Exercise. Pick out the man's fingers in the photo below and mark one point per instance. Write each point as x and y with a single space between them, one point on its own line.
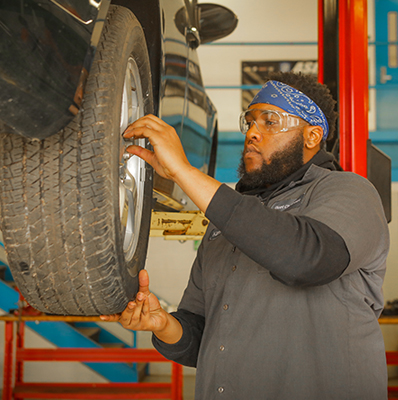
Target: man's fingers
150 120
156 119
145 154
149 157
111 318
145 307
136 315
125 318
137 132
143 279
144 126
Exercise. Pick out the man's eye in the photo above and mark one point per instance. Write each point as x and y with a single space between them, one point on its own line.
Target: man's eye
271 123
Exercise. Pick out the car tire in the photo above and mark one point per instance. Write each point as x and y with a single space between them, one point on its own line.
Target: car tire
75 209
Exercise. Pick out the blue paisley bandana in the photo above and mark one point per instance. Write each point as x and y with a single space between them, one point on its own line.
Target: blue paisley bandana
292 101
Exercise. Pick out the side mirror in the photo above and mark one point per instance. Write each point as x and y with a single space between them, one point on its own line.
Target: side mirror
210 22
215 22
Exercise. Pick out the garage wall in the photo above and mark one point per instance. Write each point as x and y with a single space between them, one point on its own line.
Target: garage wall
259 21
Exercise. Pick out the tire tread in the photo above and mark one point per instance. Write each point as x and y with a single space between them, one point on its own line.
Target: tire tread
57 204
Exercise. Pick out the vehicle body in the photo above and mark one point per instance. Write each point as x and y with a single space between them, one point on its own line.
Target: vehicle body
44 66
47 50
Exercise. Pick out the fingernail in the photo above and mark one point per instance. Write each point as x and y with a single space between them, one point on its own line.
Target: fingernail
140 296
131 305
104 317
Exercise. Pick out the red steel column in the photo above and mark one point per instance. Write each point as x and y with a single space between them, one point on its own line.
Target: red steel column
320 41
344 85
176 381
353 85
8 360
20 345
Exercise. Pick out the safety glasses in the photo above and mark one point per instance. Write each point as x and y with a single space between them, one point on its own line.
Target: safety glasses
268 121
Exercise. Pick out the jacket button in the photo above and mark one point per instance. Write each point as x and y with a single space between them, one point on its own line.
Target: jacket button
233 249
220 389
234 268
222 348
225 306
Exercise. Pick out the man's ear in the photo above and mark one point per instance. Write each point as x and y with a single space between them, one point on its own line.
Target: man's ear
312 136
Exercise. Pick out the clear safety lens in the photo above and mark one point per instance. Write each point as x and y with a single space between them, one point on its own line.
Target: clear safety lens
267 121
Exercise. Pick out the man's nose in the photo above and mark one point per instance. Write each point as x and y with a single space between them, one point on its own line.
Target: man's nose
253 134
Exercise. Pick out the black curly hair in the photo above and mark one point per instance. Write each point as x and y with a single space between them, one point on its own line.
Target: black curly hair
316 91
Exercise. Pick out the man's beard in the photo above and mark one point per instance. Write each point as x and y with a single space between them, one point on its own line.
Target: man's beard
281 164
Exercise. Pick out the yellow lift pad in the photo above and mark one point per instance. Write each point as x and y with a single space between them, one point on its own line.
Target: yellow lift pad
190 225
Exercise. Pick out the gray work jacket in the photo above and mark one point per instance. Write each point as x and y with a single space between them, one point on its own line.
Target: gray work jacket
273 335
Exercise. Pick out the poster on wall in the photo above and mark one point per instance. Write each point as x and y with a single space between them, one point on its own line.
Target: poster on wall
256 73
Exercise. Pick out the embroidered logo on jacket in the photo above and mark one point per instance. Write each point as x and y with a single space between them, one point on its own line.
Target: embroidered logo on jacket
215 233
285 204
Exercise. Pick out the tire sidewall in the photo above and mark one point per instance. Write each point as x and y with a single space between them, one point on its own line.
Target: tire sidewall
134 46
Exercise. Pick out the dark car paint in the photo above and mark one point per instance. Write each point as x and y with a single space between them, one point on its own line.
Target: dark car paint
46 54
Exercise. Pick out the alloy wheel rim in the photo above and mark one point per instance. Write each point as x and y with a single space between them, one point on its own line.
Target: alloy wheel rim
131 169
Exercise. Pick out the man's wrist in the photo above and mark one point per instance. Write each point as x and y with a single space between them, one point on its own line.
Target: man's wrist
172 331
186 171
199 187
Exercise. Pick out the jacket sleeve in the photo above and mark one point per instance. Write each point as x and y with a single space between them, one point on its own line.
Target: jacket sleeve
186 350
337 235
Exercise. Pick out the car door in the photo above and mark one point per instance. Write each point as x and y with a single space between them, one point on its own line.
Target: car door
199 124
174 77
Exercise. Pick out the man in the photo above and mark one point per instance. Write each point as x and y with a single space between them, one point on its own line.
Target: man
285 292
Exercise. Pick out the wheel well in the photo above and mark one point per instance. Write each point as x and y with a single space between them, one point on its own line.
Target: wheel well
149 14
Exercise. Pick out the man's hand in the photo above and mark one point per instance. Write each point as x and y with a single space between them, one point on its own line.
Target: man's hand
169 160
168 157
146 314
143 314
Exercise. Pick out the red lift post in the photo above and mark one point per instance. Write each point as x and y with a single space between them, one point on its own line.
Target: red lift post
343 66
352 77
353 85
